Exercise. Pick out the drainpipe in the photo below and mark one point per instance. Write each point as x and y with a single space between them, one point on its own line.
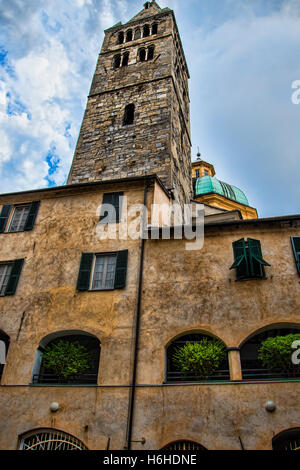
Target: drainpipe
137 325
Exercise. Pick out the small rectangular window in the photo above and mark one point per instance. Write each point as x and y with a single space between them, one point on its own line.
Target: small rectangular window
197 173
19 218
248 260
104 272
9 276
111 209
5 271
296 250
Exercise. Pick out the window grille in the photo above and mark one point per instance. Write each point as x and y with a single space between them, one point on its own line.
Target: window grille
51 440
184 445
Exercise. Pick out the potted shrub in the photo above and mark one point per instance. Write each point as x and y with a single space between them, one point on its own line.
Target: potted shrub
202 358
66 359
275 353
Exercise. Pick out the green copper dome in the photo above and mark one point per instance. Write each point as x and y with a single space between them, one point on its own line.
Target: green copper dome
210 184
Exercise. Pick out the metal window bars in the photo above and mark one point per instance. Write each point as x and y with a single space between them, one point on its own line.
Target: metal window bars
51 440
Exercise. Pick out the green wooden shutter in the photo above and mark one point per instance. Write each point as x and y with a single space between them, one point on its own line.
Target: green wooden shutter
121 269
296 249
240 259
239 252
6 208
255 251
83 282
14 276
34 207
115 199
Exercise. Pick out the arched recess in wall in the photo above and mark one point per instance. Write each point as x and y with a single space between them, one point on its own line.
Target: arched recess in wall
67 344
50 439
4 345
183 445
258 361
190 344
288 439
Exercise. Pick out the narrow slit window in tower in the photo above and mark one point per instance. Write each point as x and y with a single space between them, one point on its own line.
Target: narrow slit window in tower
121 37
117 61
142 55
125 59
146 31
129 35
150 53
128 114
137 33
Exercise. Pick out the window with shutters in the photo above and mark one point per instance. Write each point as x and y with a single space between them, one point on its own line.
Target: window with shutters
4 345
9 276
248 260
296 250
18 218
102 271
111 209
5 270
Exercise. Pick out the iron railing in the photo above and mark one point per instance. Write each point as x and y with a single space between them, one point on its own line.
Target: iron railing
255 374
78 379
179 376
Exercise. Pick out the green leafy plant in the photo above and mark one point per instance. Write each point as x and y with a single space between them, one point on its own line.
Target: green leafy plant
65 358
202 358
275 352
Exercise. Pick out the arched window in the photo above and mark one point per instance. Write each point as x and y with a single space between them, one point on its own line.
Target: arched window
255 364
129 35
142 55
185 371
154 28
50 439
183 445
146 31
128 114
117 61
121 37
150 53
125 59
4 345
50 369
137 33
287 440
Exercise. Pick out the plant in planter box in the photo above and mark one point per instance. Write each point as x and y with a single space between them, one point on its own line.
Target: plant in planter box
202 358
275 353
65 359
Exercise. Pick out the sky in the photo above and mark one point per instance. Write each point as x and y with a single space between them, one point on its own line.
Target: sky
243 57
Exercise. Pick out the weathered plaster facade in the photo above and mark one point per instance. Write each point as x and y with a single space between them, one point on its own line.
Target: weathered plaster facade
182 291
173 292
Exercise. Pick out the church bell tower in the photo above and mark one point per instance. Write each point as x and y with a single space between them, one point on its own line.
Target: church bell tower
137 119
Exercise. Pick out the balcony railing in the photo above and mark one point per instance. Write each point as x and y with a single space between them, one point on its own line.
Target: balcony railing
256 374
179 376
78 379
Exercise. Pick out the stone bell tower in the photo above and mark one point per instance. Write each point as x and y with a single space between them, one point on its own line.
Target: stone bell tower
137 119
